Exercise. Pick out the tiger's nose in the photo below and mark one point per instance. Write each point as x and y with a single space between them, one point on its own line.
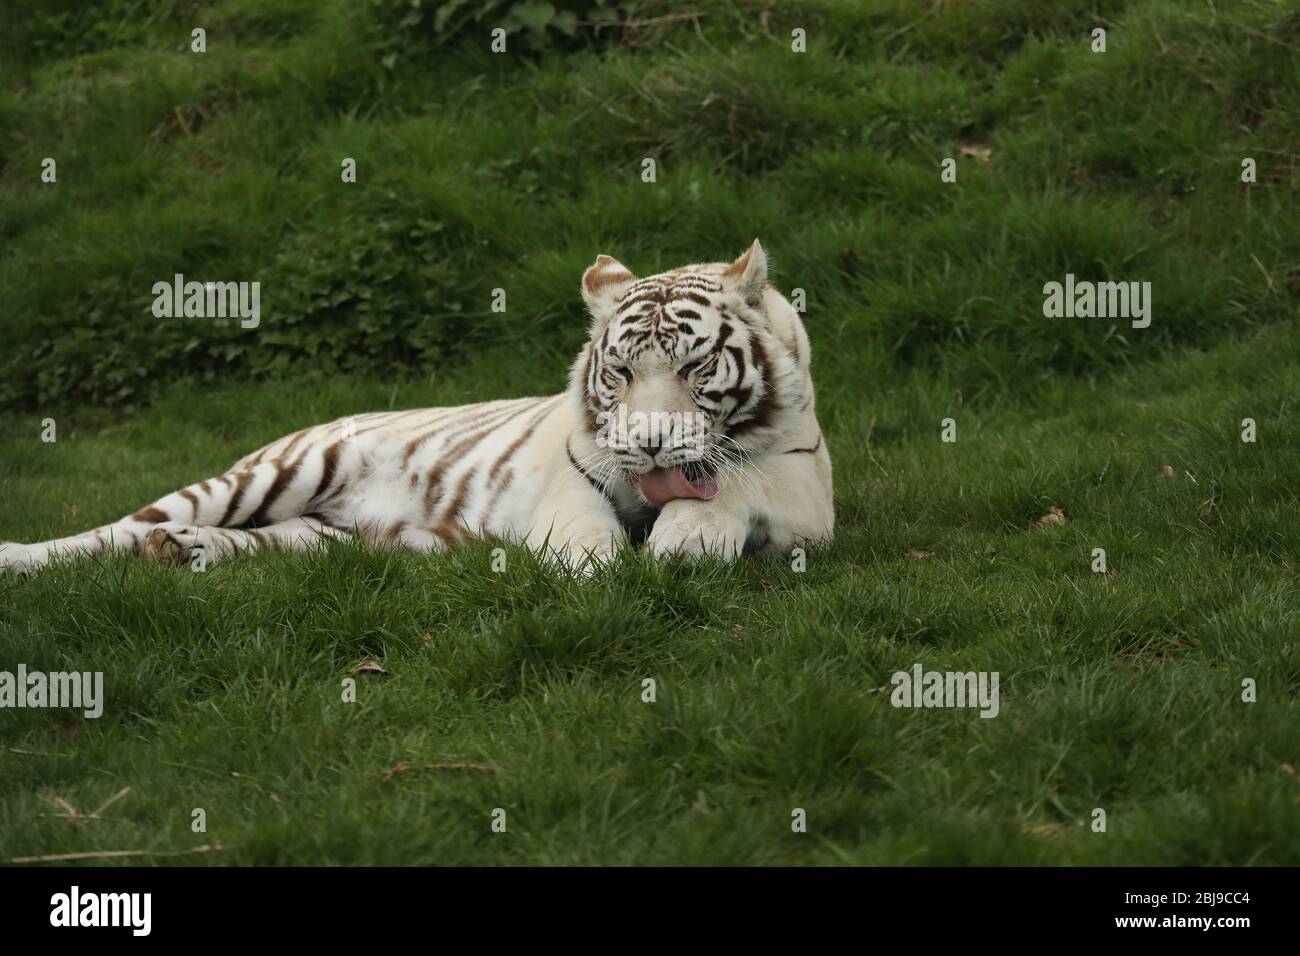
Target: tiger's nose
651 448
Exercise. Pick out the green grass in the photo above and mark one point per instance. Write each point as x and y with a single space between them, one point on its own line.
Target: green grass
1119 691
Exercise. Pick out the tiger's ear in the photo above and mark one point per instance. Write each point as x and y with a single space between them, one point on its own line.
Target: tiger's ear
603 284
748 274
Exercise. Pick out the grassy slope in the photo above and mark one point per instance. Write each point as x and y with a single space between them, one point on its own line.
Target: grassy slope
1119 691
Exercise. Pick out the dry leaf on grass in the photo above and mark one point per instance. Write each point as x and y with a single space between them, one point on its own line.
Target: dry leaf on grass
1047 830
1056 516
370 667
1165 471
979 150
114 854
34 753
405 766
917 554
74 816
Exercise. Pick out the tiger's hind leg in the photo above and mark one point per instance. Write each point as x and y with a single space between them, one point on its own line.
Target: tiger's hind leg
176 543
258 495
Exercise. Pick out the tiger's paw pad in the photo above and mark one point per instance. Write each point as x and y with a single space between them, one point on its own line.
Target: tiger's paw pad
162 547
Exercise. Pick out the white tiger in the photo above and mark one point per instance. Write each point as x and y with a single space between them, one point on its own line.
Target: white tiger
736 463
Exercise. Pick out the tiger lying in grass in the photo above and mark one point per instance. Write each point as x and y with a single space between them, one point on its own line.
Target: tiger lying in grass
712 344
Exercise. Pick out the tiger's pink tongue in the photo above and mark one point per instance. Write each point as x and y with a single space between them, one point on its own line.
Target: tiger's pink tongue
662 485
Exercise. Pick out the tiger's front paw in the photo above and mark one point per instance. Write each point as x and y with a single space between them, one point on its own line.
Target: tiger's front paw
581 554
585 562
584 555
696 532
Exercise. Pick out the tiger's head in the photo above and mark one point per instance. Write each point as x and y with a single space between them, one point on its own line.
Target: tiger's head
688 374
